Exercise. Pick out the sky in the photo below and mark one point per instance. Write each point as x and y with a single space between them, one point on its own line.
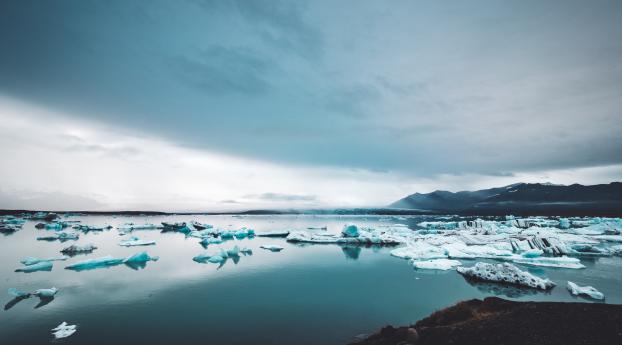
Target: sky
205 105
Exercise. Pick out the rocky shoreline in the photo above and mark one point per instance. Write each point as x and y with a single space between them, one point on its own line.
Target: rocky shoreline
496 321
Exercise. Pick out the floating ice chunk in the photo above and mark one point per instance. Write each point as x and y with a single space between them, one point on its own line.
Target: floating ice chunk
17 293
233 252
227 235
210 240
87 228
436 264
274 233
504 273
62 236
272 247
45 293
174 226
564 223
63 330
28 261
77 249
40 266
588 249
140 258
420 250
200 226
105 261
545 261
350 230
132 226
584 290
616 250
135 241
214 259
56 226
609 238
462 251
303 236
246 251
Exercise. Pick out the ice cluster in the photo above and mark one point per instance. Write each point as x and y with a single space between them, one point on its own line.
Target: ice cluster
505 273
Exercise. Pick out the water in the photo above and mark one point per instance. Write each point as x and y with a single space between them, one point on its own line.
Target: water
312 294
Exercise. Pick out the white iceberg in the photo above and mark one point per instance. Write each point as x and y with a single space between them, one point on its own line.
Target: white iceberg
436 264
272 247
63 330
505 273
62 236
556 261
584 290
135 241
419 250
45 293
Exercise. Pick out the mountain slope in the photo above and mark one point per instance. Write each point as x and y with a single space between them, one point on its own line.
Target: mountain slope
522 198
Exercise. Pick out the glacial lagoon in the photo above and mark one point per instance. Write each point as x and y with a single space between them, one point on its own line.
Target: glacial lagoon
304 294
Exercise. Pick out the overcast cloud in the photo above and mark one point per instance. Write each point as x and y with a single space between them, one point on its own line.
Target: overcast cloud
395 97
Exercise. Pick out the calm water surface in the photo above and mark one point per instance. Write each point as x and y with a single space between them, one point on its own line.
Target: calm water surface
311 294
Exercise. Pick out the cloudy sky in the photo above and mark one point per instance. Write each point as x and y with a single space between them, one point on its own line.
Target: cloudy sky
219 105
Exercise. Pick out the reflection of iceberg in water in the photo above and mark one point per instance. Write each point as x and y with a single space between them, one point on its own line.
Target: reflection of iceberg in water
351 252
511 291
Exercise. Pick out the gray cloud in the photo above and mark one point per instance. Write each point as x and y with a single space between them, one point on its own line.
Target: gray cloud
422 88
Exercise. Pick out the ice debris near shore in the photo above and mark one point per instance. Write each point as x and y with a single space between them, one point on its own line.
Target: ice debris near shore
135 241
505 273
584 290
63 330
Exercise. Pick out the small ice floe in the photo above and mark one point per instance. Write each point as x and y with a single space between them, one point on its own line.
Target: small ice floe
436 264
63 330
135 241
105 261
272 247
178 226
135 261
45 293
87 228
504 273
420 250
61 236
555 261
47 216
211 258
28 261
584 290
75 249
129 227
274 233
57 226
45 297
210 240
40 266
200 226
243 233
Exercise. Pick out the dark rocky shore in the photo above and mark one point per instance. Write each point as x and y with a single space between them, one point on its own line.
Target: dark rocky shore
496 321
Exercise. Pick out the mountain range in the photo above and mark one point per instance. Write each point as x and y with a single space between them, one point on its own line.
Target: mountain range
522 199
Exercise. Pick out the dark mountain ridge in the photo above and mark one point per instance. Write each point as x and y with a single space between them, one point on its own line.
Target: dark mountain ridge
522 198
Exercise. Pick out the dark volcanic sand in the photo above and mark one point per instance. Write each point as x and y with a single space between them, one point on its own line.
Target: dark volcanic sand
496 321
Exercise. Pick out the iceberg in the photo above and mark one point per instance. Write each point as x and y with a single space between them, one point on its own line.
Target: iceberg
564 223
419 250
504 273
210 240
78 249
200 226
45 293
40 266
459 250
274 233
61 236
214 259
436 264
350 230
584 290
557 261
63 330
272 247
105 261
135 241
139 260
